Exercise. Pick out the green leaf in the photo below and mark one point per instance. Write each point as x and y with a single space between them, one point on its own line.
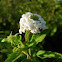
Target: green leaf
35 59
6 51
17 39
26 60
15 55
36 38
13 39
5 45
48 54
12 57
15 49
53 31
40 38
4 40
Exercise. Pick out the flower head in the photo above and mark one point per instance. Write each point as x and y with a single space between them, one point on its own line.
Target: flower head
32 22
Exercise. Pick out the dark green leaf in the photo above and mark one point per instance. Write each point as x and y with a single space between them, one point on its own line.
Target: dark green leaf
15 55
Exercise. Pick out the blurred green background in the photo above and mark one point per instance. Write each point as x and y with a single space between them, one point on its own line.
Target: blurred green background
50 10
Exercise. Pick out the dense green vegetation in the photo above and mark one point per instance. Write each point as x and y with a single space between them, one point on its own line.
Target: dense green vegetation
10 14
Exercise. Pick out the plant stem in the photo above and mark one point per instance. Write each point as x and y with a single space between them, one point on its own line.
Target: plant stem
27 37
28 56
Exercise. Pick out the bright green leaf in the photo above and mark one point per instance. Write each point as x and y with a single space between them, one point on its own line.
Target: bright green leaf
48 54
36 38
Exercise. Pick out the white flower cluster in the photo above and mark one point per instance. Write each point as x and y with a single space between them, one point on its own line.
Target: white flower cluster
32 22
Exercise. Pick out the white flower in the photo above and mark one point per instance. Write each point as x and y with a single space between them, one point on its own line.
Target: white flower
32 22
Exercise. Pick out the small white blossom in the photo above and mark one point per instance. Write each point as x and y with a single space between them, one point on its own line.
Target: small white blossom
32 22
